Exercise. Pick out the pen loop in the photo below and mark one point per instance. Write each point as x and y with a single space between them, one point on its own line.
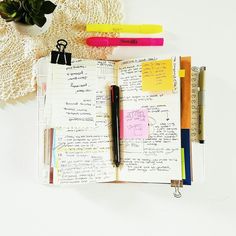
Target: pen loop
177 193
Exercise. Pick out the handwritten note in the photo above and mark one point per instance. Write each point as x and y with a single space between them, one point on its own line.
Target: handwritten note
73 95
157 76
152 151
82 157
158 157
134 124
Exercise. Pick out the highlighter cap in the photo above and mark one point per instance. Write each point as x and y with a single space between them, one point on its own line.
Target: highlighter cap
150 29
97 42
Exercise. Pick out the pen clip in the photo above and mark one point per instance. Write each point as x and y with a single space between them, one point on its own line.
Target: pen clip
112 94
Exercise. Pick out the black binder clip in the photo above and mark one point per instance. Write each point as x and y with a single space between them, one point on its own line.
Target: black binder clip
61 57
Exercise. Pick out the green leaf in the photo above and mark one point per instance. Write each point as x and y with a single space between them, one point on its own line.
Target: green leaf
15 3
9 19
36 4
26 6
29 20
39 20
8 10
48 7
4 15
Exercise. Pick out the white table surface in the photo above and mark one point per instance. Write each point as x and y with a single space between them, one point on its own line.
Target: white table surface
205 29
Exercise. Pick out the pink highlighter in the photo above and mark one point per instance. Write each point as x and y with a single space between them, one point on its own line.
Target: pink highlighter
111 42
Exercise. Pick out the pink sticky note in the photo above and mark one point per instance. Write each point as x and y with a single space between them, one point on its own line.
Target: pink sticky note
134 124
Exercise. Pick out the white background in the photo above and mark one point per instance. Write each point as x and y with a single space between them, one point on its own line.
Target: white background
205 29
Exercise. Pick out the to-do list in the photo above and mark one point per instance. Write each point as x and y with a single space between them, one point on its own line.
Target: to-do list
73 95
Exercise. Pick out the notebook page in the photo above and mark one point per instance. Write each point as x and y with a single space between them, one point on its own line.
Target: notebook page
73 94
157 158
83 155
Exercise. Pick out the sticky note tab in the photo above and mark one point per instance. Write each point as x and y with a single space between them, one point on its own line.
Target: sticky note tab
181 73
134 124
183 163
157 76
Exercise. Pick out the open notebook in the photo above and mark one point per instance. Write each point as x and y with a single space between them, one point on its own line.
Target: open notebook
75 144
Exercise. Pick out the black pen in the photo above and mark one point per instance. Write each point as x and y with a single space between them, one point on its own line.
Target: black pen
115 118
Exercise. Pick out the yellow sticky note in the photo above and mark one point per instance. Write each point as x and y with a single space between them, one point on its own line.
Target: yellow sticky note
183 163
182 73
157 76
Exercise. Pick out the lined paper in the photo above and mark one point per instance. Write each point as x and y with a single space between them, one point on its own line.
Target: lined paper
157 76
83 155
73 94
157 158
82 152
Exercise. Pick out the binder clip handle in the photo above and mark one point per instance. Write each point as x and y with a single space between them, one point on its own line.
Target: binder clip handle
177 184
177 193
61 45
61 57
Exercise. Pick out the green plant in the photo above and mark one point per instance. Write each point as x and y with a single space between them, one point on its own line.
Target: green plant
29 12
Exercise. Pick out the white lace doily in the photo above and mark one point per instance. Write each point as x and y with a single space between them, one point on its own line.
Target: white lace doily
19 52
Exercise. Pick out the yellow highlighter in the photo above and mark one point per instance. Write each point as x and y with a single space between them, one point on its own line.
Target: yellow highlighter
139 29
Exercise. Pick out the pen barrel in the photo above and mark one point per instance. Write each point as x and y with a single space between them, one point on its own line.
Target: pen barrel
201 124
115 116
201 100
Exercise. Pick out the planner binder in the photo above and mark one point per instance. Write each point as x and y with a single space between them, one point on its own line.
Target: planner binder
74 140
